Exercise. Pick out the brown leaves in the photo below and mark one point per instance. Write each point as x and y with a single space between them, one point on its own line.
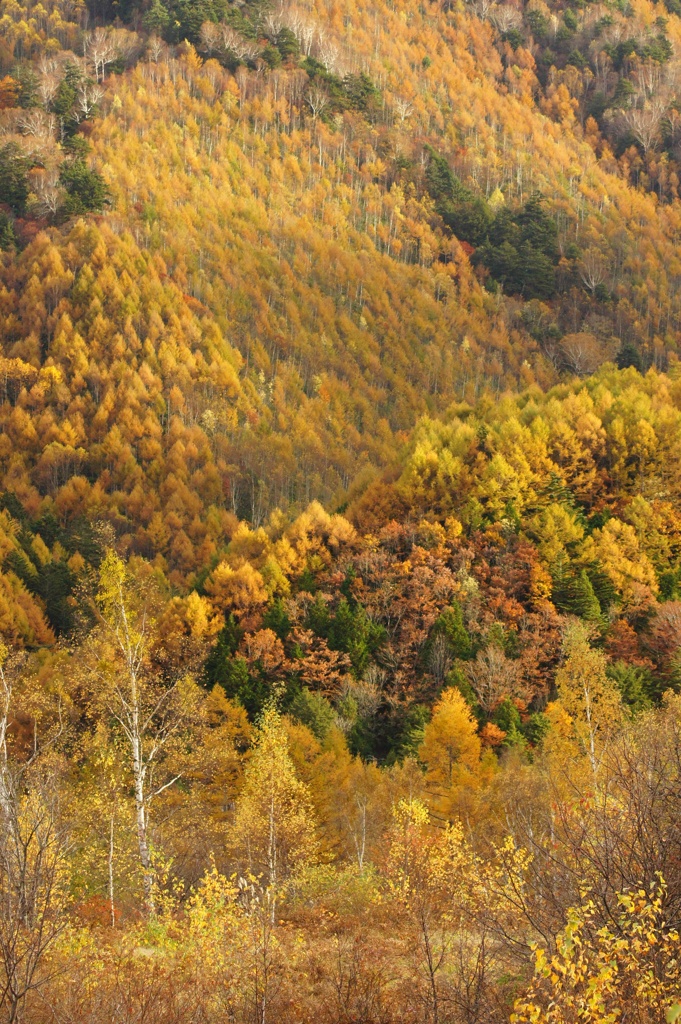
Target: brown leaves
320 668
663 637
266 650
494 678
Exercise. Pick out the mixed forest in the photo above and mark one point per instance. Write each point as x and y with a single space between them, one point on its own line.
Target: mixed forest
340 511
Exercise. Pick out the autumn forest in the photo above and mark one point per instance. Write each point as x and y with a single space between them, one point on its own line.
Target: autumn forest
340 511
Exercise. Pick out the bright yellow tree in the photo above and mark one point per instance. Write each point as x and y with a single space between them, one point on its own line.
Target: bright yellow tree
627 969
587 695
451 747
274 829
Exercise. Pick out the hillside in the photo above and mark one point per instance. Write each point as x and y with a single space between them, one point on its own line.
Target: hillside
341 249
340 515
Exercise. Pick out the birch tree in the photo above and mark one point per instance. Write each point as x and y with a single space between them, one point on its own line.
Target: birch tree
274 829
589 697
150 711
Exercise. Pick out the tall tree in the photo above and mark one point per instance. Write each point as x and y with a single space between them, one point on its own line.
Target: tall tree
149 710
587 694
274 829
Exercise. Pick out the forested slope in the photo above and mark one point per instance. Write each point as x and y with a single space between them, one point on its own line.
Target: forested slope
347 193
340 515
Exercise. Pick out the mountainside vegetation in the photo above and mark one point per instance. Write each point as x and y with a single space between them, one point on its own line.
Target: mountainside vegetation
340 513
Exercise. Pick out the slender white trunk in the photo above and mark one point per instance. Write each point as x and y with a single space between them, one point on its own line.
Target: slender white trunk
590 727
5 782
138 770
112 904
360 841
272 851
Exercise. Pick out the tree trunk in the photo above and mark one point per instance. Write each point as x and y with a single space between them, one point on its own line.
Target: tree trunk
141 820
111 876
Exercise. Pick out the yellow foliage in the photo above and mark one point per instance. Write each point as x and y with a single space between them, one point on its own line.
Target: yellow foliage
586 694
617 548
630 969
239 590
274 830
554 529
451 746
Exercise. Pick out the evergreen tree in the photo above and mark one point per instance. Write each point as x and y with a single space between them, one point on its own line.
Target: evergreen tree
14 188
629 355
574 595
86 189
8 239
